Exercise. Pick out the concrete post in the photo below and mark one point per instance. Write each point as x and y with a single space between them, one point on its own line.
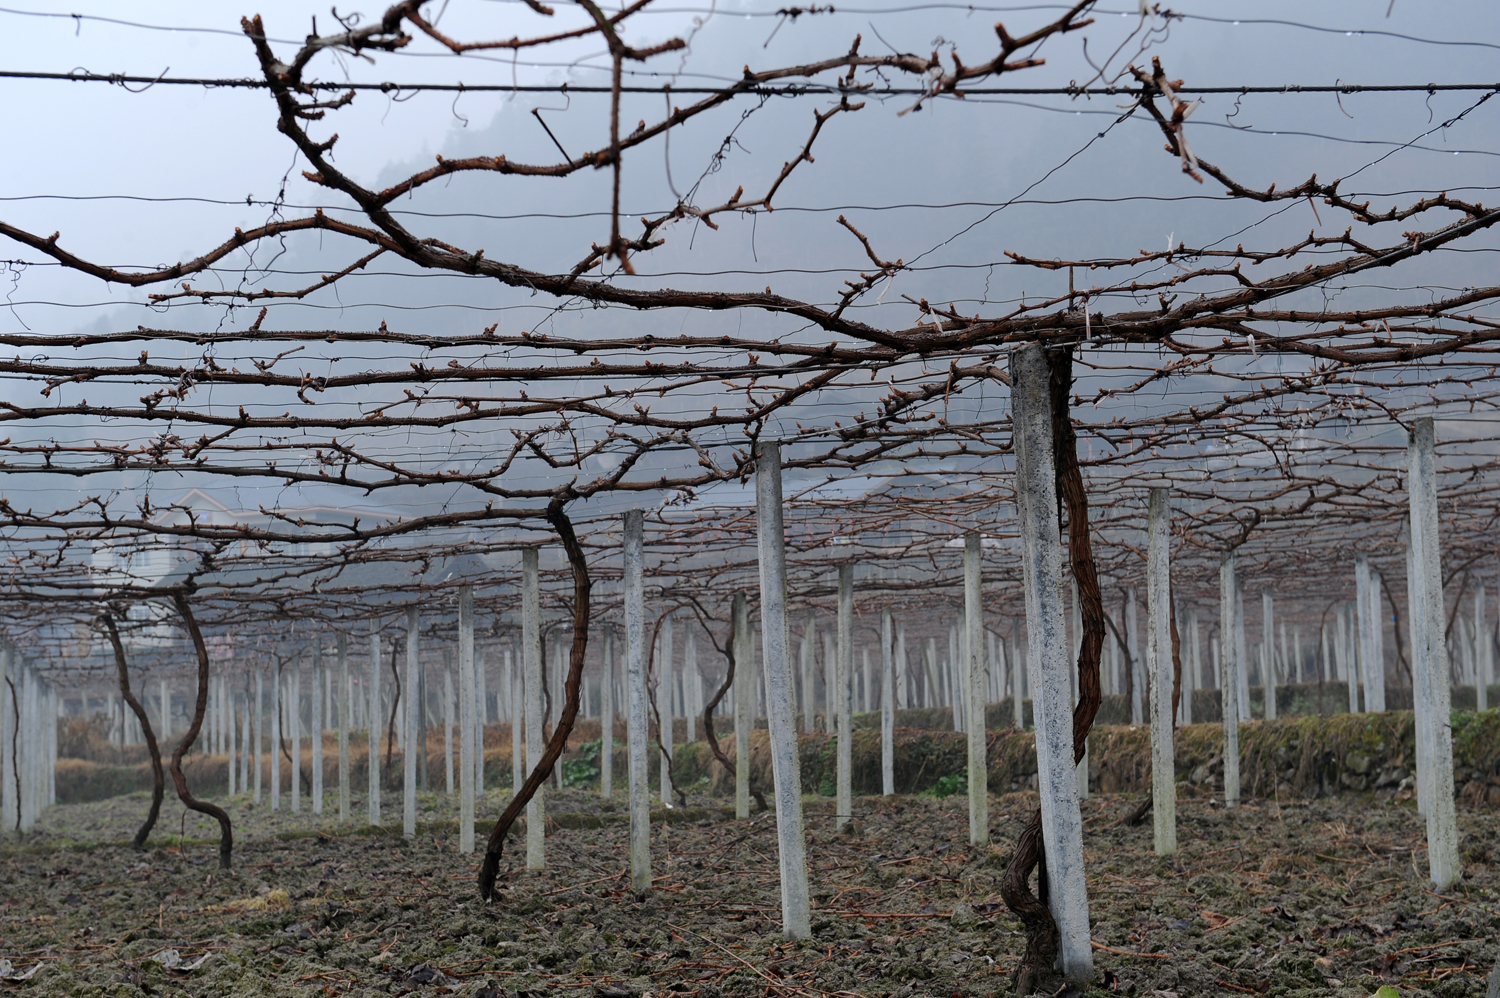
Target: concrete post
466 717
955 684
1432 688
260 699
744 693
843 675
1376 693
607 716
1191 676
276 708
903 683
481 718
1366 624
1242 660
226 730
531 664
1020 669
1375 677
346 718
1229 680
1062 822
294 729
1288 667
1268 646
637 729
517 722
1136 664
666 681
316 733
372 723
807 650
409 726
1419 678
1483 653
796 916
244 742
887 708
1352 666
690 681
1159 665
979 787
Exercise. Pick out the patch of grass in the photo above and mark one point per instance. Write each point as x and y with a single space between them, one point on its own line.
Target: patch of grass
947 786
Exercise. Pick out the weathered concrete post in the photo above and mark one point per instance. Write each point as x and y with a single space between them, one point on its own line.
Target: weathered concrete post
636 694
903 688
744 699
796 916
843 675
1419 703
666 681
277 700
259 711
1194 666
887 708
1018 674
516 684
1137 664
692 682
449 723
1364 626
1159 665
531 666
318 689
607 717
244 711
1229 681
979 787
466 712
1431 655
346 721
372 723
866 690
409 726
481 718
294 729
806 651
1242 660
1484 653
1371 646
1062 823
1268 650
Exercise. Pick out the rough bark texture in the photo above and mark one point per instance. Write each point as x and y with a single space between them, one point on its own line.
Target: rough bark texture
158 779
1176 660
489 870
226 834
1042 940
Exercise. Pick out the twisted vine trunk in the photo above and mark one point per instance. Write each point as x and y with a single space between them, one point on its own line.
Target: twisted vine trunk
489 869
708 717
226 834
1042 940
158 780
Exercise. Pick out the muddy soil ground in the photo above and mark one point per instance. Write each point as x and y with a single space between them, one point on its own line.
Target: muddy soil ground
1326 897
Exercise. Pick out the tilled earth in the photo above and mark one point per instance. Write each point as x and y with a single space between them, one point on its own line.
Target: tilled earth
1326 897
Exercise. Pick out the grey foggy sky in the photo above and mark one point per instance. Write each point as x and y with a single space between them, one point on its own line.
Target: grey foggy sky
170 142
